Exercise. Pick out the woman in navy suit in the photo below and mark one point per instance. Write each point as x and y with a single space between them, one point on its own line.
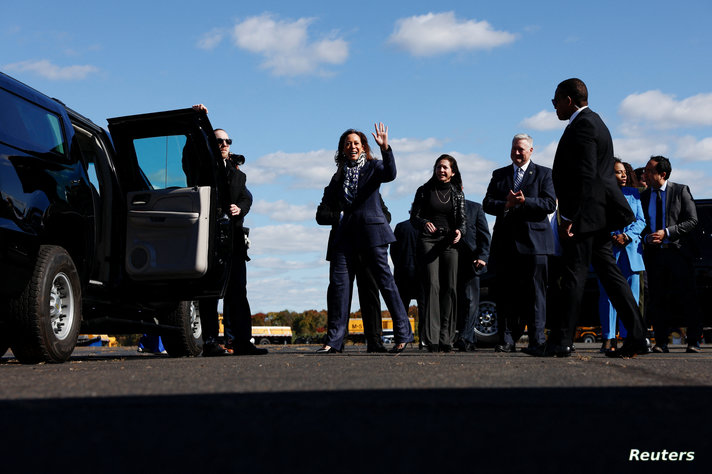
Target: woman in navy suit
363 229
628 251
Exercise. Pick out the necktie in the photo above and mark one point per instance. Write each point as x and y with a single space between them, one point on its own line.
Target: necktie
658 210
518 179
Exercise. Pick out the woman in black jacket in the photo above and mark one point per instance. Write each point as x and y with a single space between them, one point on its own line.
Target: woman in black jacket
438 212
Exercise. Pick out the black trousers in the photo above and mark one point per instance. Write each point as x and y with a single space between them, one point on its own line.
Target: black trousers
672 295
237 316
521 296
468 302
439 261
578 253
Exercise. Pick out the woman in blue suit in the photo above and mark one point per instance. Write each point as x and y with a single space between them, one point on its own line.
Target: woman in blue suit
628 251
363 229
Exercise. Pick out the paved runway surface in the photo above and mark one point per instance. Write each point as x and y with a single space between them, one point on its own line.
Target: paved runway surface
113 410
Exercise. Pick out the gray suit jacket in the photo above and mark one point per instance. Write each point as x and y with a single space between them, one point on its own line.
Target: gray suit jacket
680 213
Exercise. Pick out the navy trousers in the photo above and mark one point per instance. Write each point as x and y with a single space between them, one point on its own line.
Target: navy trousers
342 271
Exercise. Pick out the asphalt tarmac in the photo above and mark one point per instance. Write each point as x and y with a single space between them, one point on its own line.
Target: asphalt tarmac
114 410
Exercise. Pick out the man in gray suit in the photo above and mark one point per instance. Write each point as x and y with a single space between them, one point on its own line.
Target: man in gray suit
670 216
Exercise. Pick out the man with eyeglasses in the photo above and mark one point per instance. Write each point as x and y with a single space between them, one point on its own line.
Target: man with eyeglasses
237 317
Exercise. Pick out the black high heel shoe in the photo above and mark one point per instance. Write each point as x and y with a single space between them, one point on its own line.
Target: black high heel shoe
398 348
323 350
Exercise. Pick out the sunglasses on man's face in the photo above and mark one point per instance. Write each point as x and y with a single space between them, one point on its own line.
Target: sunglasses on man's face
227 141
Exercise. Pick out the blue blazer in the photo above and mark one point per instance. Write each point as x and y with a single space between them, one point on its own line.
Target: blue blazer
364 224
528 226
634 249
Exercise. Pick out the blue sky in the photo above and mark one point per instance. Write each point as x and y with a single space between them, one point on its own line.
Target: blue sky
285 79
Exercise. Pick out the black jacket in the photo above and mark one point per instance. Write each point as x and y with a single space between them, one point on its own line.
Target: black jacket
422 196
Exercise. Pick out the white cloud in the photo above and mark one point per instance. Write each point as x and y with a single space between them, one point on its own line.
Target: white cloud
637 149
691 149
409 145
211 39
49 70
310 170
439 33
544 120
282 211
286 46
288 238
293 294
272 264
544 155
415 159
665 111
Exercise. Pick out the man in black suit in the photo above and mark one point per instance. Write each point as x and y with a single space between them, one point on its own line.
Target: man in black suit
670 217
521 196
473 254
591 205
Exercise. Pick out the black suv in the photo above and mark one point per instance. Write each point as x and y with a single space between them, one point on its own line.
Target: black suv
106 233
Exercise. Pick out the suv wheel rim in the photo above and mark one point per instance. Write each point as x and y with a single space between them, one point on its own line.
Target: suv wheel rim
195 325
61 306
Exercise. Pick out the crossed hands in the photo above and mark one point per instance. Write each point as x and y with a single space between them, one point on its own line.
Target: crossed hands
514 199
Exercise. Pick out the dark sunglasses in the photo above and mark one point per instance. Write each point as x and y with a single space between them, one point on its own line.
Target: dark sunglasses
227 141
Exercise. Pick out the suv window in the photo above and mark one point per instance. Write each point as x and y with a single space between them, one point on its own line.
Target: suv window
30 127
161 160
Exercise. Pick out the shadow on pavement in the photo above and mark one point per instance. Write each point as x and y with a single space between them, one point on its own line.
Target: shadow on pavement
567 430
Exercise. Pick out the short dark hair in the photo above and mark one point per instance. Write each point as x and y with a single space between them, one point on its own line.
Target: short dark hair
339 157
662 165
574 88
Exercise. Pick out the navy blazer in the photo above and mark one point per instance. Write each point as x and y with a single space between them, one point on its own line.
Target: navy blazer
363 224
585 184
475 244
527 225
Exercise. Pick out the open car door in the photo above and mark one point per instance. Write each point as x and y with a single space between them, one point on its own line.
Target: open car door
177 237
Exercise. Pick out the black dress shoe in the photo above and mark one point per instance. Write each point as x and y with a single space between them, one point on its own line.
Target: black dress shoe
548 350
213 349
377 348
326 350
563 351
464 346
399 347
542 350
249 349
460 345
629 349
505 348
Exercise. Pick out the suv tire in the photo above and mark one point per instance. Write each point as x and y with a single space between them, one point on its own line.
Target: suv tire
47 316
188 340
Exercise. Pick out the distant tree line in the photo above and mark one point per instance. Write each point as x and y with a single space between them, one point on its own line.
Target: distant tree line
309 325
